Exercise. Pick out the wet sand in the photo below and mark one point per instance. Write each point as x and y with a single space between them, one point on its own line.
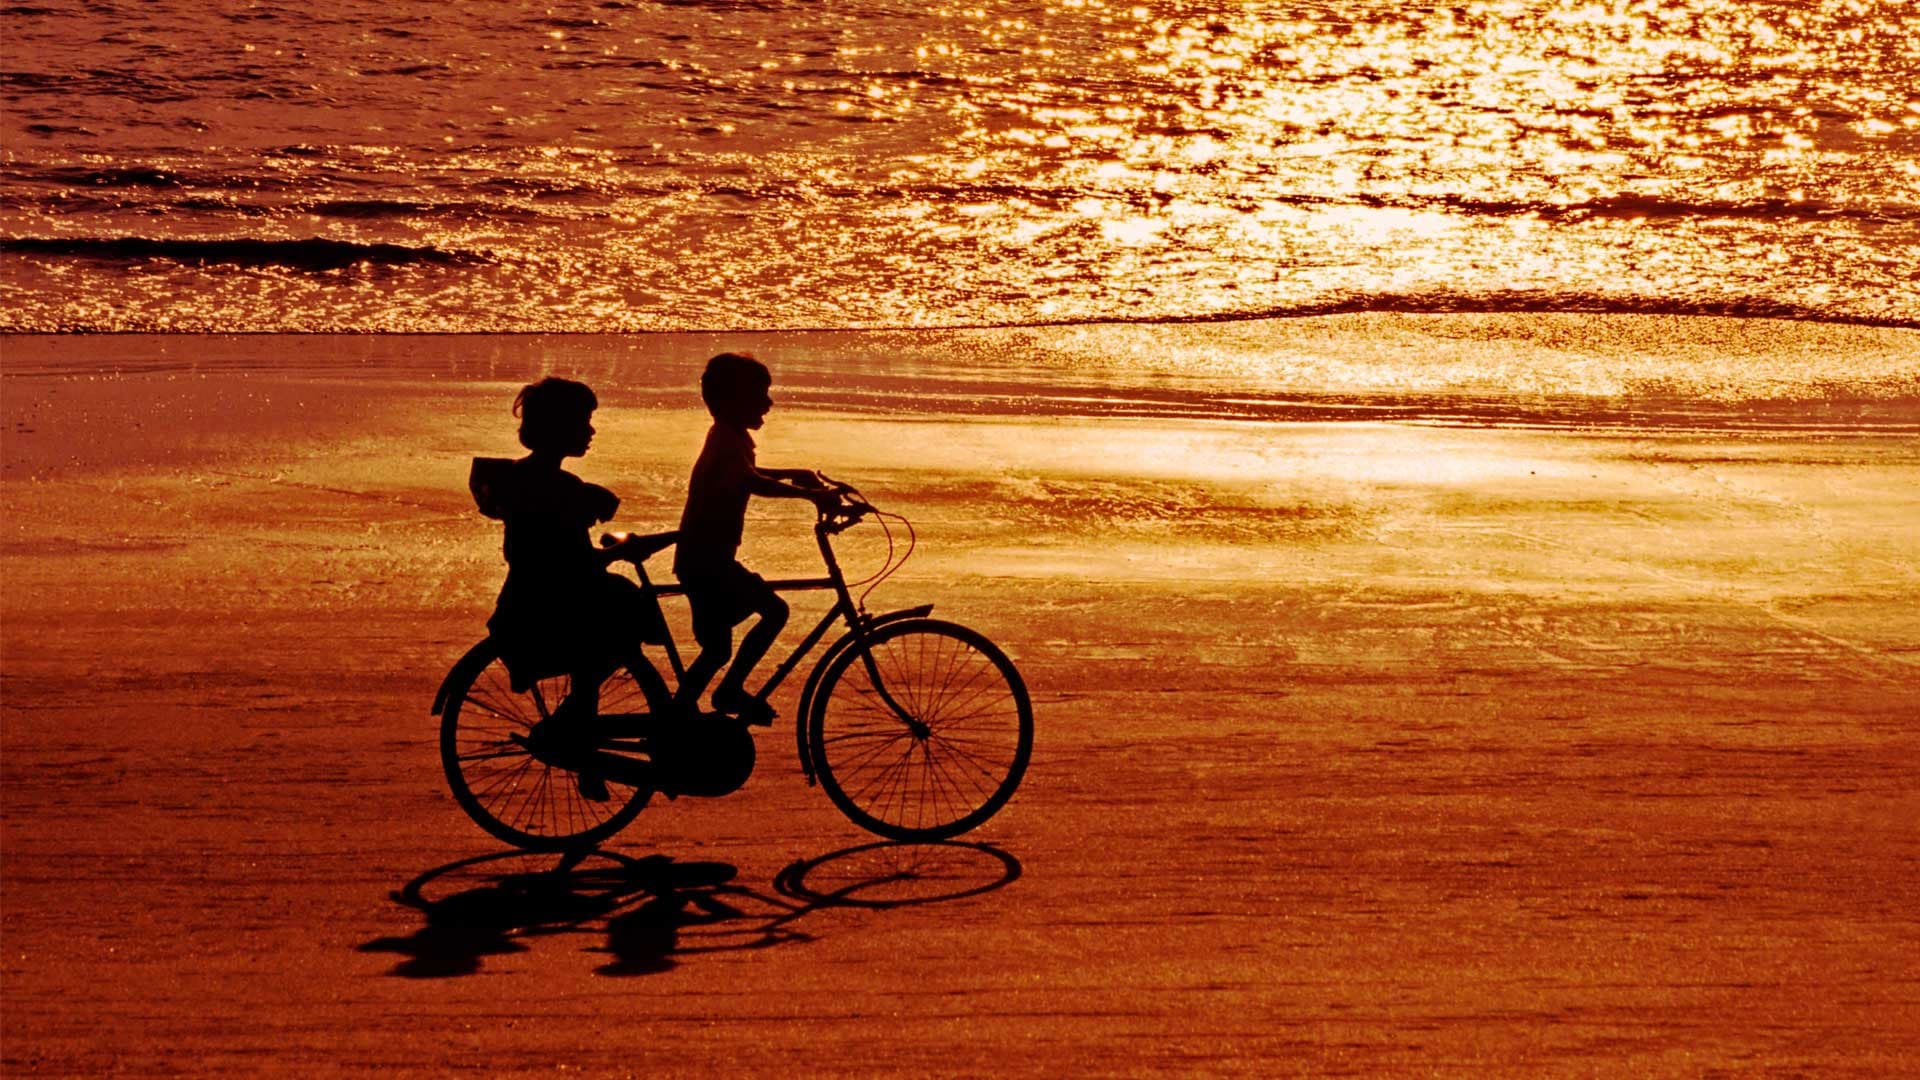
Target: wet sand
1364 748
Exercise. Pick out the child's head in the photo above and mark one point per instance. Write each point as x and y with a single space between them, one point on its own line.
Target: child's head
555 416
735 387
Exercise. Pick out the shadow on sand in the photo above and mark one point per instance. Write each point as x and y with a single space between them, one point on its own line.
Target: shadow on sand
654 911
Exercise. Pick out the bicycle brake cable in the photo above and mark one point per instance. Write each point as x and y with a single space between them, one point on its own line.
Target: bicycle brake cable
877 575
891 566
888 565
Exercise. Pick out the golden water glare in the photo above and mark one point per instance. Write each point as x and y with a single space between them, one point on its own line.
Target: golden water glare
1004 163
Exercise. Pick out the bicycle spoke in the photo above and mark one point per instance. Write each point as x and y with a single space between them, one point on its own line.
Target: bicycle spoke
513 717
523 811
968 759
956 798
950 663
503 793
888 734
959 720
985 741
870 702
507 777
886 773
862 755
950 698
489 755
978 748
949 685
935 781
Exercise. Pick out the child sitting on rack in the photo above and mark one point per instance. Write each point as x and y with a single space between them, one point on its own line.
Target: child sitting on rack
561 612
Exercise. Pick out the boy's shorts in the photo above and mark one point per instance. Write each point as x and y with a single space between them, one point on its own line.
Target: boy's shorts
722 598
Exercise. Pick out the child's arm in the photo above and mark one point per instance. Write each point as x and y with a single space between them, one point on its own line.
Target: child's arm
632 547
805 478
790 484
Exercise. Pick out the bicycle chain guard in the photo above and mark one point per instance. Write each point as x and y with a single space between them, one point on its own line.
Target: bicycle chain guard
710 756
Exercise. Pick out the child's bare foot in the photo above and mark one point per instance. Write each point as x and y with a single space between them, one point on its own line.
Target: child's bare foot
749 709
593 788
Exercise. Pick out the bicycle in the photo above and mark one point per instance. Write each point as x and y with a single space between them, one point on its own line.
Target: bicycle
917 728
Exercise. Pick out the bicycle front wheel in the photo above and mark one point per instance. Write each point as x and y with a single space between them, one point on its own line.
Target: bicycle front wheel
525 800
948 758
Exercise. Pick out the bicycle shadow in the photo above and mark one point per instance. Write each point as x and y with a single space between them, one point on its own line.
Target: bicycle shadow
653 912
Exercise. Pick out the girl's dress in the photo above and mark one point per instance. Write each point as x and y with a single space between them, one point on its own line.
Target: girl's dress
561 611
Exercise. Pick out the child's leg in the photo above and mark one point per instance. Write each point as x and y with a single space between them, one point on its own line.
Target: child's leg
719 604
731 694
701 672
575 720
582 703
751 596
713 622
602 637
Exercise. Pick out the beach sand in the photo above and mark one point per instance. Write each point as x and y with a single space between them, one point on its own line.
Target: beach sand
1363 747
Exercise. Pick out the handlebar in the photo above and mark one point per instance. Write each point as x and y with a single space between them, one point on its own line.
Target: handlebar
850 506
847 508
839 520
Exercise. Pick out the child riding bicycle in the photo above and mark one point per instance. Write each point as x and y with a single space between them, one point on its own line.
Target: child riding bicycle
916 728
722 592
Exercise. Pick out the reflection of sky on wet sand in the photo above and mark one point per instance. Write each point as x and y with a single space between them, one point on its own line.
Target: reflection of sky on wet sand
851 165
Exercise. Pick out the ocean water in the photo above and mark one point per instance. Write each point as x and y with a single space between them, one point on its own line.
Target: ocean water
496 166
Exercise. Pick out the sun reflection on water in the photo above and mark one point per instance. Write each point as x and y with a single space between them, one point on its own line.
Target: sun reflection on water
1001 162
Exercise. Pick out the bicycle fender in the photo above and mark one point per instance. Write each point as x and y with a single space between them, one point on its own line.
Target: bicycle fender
803 715
477 657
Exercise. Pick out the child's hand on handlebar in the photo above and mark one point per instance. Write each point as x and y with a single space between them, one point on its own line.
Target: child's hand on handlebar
823 482
839 504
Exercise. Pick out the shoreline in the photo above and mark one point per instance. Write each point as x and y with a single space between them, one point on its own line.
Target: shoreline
1764 312
1555 372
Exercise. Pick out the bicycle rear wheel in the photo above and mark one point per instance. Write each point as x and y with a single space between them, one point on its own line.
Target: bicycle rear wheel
529 801
957 756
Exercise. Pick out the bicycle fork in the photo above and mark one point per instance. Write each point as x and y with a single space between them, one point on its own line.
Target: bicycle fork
914 724
862 624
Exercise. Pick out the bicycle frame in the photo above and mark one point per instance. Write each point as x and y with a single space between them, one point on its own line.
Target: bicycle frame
844 608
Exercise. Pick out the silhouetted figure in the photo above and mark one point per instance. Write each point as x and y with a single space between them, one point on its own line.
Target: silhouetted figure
722 592
560 611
